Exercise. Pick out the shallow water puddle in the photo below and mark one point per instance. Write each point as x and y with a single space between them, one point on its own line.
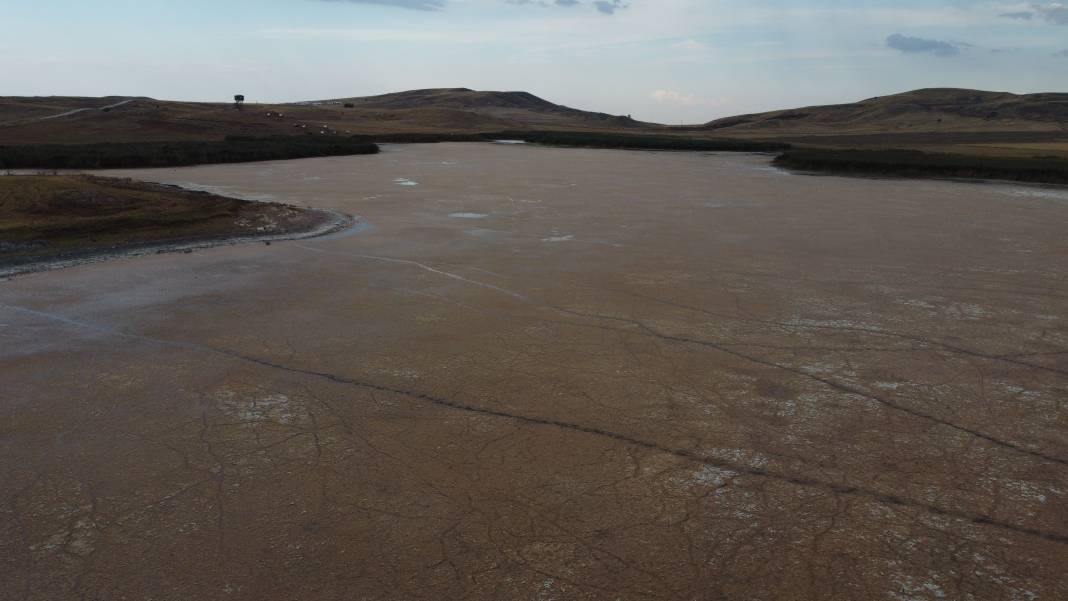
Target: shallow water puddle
1039 193
359 225
737 204
468 215
403 181
774 170
227 191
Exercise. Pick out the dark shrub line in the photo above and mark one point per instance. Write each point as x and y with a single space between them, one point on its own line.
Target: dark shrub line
643 142
233 149
241 149
587 139
914 163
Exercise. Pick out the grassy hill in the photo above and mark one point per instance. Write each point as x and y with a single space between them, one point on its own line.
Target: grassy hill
937 119
56 132
74 120
929 110
942 120
517 108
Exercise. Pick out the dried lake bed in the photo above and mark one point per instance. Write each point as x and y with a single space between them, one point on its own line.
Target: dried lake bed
537 373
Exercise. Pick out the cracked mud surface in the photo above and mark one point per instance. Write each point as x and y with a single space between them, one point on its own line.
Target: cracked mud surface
637 376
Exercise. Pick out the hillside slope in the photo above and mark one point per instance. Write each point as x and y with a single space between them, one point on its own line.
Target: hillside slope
25 120
928 110
939 119
521 106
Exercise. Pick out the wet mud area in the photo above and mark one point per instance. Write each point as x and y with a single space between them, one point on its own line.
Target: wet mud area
634 375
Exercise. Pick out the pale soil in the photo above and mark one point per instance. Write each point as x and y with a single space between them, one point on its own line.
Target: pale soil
638 376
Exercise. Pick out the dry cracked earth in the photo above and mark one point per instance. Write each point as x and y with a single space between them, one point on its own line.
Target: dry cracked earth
552 374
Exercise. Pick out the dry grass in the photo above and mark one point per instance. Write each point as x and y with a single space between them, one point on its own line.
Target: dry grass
45 216
954 121
149 120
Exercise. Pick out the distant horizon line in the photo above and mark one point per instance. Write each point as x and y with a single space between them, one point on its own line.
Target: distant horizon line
341 99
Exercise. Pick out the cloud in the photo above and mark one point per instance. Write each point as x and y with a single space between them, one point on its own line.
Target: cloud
1061 54
1054 13
910 45
410 4
609 7
606 7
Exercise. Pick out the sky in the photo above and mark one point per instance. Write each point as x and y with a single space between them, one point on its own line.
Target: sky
669 61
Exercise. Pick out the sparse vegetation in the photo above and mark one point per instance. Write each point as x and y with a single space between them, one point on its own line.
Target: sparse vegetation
913 163
69 216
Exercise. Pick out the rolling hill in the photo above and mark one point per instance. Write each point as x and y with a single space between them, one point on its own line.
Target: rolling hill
506 107
929 110
940 119
26 120
935 119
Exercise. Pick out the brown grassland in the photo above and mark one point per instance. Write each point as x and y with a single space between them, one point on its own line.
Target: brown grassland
61 216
